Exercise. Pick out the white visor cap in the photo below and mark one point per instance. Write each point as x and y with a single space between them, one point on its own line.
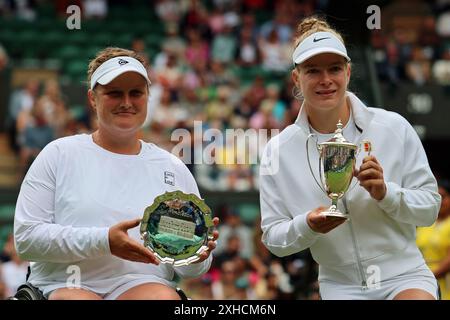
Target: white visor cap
317 43
112 68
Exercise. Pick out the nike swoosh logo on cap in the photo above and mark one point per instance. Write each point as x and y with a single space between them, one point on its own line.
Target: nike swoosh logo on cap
320 39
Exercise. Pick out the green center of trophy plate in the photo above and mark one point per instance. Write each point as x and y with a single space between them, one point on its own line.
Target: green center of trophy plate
177 225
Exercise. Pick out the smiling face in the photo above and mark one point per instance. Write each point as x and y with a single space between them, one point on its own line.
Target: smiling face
121 105
323 80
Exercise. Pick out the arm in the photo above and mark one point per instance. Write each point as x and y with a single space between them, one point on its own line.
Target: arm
282 234
417 200
443 268
36 236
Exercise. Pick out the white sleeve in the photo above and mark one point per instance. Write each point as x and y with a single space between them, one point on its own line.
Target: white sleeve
282 234
195 269
417 200
36 236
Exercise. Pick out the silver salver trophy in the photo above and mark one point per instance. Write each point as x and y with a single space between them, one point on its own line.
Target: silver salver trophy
337 158
177 228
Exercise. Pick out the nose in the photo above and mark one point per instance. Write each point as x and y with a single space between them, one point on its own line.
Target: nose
126 102
325 79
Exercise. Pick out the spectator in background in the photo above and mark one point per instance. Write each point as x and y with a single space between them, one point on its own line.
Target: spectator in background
224 46
169 11
168 114
220 108
278 25
225 288
3 58
428 38
170 76
196 16
138 46
247 54
25 9
21 101
3 292
219 75
236 237
54 107
441 69
196 48
14 271
173 43
443 24
418 68
95 9
274 53
434 242
256 92
36 133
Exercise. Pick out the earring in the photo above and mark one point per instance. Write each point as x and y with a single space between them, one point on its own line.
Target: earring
296 93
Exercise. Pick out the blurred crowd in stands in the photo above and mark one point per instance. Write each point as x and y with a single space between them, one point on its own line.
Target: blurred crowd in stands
225 63
415 45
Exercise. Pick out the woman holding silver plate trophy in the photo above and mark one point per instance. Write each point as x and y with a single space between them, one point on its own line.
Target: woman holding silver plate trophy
84 196
364 242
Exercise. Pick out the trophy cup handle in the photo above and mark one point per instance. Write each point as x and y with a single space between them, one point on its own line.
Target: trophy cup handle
312 135
367 146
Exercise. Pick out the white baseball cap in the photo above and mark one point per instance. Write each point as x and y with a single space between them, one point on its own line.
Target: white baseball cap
317 43
112 68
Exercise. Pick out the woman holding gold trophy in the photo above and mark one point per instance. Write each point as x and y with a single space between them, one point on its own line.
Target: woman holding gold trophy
84 196
365 242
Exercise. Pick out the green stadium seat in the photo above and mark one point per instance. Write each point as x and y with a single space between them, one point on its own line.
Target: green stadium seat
5 231
7 213
45 9
53 38
7 37
90 52
18 25
78 37
28 37
68 52
101 39
76 70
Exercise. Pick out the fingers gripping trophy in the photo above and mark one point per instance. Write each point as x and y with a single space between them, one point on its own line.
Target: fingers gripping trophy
337 159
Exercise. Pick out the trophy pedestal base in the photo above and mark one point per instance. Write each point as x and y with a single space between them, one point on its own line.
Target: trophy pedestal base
333 212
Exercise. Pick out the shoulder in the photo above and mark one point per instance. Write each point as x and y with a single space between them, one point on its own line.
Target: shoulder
158 154
284 138
69 141
391 122
386 117
63 145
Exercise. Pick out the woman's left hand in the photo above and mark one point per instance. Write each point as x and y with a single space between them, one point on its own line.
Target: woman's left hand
370 176
211 243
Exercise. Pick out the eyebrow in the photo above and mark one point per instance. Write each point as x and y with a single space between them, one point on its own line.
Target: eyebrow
312 65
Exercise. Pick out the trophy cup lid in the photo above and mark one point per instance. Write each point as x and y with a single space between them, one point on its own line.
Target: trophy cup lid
338 138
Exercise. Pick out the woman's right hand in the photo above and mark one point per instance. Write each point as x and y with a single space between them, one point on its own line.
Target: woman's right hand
125 247
321 223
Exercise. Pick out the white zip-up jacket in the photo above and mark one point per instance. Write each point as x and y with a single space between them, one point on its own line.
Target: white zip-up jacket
380 235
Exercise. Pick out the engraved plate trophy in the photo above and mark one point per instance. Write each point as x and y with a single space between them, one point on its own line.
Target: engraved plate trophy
177 228
337 159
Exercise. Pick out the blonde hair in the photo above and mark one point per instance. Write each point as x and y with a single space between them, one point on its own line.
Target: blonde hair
311 25
109 53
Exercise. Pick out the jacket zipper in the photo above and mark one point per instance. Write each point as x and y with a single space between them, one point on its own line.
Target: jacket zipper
355 247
